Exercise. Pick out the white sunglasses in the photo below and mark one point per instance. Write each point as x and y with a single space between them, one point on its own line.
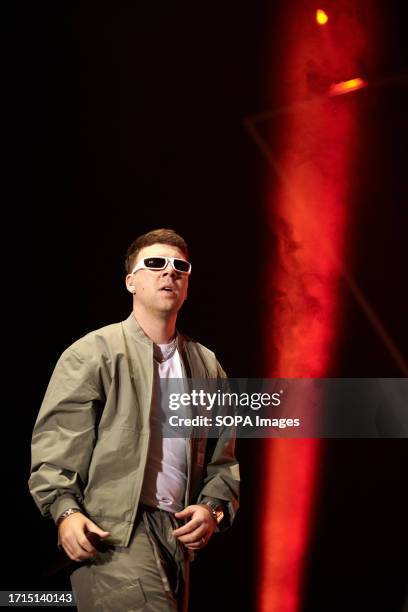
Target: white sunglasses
160 263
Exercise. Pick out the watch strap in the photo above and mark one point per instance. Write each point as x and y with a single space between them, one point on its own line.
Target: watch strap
216 510
67 513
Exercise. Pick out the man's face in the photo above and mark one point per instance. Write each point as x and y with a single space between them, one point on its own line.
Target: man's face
159 291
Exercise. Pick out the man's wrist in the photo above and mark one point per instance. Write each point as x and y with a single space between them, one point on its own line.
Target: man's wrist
65 514
215 509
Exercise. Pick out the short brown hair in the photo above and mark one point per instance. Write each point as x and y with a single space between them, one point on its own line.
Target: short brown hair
159 236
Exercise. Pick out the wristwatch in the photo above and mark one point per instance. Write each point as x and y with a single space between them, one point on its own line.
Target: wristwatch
66 513
215 509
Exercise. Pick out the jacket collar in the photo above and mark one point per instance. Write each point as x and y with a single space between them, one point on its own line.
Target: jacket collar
133 327
137 332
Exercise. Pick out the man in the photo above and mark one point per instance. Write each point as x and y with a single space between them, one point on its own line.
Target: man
131 507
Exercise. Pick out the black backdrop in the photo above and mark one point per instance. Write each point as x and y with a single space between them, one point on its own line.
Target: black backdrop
128 118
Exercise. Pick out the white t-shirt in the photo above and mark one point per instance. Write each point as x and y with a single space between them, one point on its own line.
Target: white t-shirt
165 477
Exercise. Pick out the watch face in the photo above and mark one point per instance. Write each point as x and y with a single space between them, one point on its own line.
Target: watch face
219 516
216 511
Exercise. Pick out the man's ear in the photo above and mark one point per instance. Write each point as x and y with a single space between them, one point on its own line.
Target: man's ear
129 284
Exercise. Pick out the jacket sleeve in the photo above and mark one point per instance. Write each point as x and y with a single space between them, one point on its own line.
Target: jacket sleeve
221 475
64 435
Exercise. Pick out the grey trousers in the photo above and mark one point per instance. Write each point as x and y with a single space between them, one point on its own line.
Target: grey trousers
150 575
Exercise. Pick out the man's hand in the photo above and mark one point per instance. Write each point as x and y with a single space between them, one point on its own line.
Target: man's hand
76 534
198 530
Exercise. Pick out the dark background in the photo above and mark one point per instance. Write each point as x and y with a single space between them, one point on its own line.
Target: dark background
125 119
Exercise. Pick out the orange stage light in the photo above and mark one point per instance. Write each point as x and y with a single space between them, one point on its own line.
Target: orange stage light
344 87
321 17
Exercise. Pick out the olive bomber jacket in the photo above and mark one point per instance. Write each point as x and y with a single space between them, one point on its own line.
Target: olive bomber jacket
91 438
